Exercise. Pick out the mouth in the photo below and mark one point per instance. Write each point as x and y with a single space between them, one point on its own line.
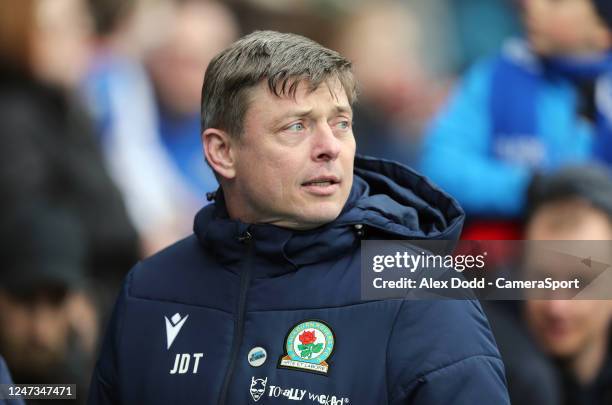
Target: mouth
322 185
322 181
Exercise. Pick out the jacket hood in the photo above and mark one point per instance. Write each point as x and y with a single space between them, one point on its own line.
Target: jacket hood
387 201
402 203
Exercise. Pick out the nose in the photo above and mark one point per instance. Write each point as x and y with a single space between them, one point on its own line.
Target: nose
326 146
558 308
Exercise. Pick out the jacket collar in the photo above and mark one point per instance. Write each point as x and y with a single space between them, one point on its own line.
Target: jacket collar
387 199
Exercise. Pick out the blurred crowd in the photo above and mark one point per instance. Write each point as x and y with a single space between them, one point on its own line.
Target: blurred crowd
506 104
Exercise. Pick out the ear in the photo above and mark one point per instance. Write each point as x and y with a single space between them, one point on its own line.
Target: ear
608 39
604 37
219 149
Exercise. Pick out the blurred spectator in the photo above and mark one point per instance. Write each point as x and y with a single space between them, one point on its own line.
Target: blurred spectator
480 27
5 378
398 90
199 30
531 376
150 134
50 166
532 108
48 153
42 254
121 100
58 47
574 204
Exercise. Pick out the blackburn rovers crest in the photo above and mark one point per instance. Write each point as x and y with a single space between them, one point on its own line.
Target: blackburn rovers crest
308 346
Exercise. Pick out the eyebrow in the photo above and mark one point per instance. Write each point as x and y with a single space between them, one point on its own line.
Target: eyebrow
339 109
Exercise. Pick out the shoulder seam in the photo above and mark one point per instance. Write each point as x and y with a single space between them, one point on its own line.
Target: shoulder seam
137 297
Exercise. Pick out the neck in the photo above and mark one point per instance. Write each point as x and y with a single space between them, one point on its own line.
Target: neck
239 208
588 362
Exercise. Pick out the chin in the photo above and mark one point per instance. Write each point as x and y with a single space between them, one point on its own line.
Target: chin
562 353
539 46
562 349
321 214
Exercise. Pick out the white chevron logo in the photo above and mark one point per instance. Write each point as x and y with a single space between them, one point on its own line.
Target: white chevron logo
173 327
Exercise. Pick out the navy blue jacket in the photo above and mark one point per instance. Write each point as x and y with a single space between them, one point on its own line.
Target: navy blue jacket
5 378
193 322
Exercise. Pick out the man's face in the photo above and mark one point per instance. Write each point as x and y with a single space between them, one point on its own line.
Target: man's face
294 160
198 31
565 327
563 27
60 46
33 332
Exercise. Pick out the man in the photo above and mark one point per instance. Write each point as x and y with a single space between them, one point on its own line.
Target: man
48 324
198 31
263 301
575 204
536 106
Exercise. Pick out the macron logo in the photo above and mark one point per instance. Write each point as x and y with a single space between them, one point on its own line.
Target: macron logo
173 327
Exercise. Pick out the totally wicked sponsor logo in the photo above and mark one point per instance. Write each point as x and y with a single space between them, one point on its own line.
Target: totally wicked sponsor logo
293 394
258 388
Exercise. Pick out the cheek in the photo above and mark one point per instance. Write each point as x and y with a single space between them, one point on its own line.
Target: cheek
533 312
557 27
55 327
20 324
538 314
591 315
287 173
351 146
268 178
348 157
565 37
278 166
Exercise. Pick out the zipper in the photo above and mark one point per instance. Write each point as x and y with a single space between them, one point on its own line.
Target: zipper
245 278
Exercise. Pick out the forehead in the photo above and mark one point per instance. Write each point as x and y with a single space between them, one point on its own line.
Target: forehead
572 219
327 97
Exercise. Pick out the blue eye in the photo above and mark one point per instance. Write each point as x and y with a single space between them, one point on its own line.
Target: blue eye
344 124
298 126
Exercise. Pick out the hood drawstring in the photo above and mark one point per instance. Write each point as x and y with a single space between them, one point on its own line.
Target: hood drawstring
359 230
245 237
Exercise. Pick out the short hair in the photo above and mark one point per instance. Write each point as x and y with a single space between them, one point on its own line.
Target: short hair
107 15
591 184
604 9
284 60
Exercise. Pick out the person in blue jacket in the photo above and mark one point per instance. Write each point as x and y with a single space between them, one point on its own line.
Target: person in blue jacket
262 304
5 378
541 103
